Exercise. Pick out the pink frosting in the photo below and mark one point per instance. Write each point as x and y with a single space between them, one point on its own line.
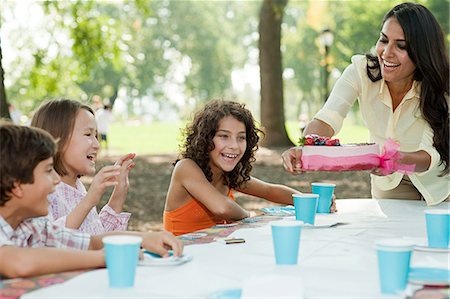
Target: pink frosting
360 162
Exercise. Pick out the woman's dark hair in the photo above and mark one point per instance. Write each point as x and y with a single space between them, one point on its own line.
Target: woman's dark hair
199 136
58 118
22 149
426 47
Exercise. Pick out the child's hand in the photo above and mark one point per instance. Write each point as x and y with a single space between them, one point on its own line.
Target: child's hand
333 208
126 164
124 158
161 242
106 177
119 195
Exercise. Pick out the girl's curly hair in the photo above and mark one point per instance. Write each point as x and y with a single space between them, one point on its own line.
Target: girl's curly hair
199 134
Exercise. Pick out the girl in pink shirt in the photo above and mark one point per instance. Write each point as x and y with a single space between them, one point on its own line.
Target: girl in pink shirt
73 124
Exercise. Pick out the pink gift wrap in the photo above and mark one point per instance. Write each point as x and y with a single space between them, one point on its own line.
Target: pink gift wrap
386 161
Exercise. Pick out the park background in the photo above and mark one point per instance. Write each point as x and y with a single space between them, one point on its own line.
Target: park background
157 61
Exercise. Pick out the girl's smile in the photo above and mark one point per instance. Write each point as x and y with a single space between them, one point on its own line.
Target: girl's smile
80 153
230 144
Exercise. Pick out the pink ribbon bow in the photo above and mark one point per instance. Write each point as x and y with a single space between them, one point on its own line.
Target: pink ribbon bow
389 158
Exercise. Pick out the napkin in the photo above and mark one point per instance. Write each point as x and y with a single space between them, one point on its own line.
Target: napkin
273 286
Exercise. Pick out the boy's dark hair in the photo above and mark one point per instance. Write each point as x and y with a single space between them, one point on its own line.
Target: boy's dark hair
200 132
58 118
21 150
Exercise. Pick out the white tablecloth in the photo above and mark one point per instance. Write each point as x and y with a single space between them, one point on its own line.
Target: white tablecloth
336 262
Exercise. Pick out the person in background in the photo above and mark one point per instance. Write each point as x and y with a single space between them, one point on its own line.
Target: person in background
403 94
30 244
104 117
216 160
14 113
73 124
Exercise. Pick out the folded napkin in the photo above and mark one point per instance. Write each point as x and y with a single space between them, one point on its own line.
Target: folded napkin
273 286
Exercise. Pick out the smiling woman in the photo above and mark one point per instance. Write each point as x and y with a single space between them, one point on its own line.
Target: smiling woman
403 95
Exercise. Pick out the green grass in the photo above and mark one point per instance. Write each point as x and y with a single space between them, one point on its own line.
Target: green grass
163 138
144 139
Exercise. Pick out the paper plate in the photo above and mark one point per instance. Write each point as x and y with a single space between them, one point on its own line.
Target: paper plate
429 276
151 259
226 294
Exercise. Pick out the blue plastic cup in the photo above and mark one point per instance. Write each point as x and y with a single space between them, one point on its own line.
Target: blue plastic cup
394 256
325 192
286 241
438 227
305 207
122 254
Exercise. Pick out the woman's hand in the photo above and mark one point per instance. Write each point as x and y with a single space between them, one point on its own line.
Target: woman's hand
292 160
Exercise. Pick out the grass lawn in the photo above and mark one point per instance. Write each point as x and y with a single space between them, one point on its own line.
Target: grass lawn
163 138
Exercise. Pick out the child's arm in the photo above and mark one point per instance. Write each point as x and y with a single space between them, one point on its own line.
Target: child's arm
156 242
119 194
273 192
189 175
104 178
25 262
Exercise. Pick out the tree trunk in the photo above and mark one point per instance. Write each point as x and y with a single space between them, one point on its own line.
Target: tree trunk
113 98
4 111
271 71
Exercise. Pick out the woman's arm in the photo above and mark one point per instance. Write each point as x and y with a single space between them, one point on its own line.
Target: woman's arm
272 192
25 262
421 159
320 128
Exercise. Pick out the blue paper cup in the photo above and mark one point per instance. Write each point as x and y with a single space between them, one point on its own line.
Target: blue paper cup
305 207
286 241
394 256
325 192
122 254
438 227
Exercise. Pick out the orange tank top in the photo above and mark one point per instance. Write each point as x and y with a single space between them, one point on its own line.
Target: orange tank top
191 217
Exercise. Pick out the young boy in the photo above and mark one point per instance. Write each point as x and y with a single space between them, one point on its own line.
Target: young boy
27 177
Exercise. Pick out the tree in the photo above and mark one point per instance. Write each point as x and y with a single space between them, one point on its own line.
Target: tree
271 74
4 111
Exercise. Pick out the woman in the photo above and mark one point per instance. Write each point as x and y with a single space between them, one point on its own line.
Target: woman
403 94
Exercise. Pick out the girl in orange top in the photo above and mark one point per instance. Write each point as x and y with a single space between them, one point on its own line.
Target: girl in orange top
216 158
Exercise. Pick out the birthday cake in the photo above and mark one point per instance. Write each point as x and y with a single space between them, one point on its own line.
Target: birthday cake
325 154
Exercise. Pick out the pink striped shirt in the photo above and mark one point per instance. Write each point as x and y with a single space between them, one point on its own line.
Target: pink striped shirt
66 198
41 232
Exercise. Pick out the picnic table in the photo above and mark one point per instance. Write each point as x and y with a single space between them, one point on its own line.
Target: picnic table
337 258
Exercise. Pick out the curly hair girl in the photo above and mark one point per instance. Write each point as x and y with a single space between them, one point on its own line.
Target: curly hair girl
200 133
216 158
